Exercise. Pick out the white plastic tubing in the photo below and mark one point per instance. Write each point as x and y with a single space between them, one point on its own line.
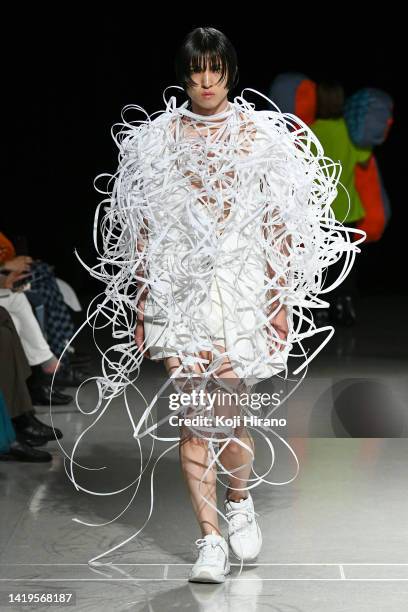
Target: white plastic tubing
197 197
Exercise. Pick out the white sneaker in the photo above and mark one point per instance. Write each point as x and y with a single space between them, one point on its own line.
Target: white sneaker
212 564
244 534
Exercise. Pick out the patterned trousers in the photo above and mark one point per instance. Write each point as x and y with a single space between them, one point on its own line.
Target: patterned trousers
59 327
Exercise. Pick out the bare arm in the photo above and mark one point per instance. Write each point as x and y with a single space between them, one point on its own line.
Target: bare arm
141 246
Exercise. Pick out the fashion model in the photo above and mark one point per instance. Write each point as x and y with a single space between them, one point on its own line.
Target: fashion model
217 232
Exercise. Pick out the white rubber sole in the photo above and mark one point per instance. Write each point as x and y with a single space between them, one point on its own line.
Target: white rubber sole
206 575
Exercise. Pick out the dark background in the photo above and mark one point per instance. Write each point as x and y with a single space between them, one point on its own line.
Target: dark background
68 76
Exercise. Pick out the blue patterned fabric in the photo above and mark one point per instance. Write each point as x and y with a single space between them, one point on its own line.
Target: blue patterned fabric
59 327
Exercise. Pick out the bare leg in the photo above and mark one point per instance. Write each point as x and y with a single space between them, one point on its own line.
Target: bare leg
193 453
234 455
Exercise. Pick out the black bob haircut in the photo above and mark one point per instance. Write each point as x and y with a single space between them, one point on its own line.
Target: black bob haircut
203 43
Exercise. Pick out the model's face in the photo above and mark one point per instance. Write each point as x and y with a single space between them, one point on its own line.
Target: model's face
208 82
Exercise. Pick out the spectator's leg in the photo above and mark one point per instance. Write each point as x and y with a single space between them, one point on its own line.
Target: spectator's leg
14 369
13 385
35 346
59 324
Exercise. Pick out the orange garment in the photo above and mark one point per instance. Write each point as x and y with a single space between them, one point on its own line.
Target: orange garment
7 250
368 185
306 101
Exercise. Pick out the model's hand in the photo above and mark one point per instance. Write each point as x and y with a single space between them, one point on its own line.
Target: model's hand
21 263
139 331
279 322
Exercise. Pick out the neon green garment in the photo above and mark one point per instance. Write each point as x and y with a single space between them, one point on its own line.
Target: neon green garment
334 137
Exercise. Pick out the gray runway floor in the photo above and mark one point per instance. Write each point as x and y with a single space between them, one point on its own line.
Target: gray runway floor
335 538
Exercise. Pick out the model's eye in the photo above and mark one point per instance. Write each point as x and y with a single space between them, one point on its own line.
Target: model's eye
216 68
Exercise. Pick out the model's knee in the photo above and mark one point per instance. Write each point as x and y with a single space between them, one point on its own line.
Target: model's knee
234 448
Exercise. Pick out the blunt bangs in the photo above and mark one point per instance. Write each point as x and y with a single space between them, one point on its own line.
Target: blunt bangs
203 46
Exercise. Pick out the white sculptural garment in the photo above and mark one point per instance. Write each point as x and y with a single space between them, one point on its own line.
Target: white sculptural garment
208 274
222 219
212 207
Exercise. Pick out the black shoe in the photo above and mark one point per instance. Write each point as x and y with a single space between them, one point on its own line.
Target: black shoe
40 396
31 441
47 428
71 377
40 378
20 451
31 428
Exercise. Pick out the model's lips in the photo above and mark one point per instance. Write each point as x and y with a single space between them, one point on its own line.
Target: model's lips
207 95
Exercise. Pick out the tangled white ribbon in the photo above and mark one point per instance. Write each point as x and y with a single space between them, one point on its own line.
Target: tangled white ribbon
243 196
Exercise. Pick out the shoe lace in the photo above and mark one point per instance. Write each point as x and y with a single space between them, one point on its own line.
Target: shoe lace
207 549
241 519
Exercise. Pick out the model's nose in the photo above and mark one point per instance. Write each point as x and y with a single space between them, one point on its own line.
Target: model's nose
206 78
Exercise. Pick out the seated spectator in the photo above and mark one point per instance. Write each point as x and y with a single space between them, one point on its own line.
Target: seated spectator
35 346
59 327
28 429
